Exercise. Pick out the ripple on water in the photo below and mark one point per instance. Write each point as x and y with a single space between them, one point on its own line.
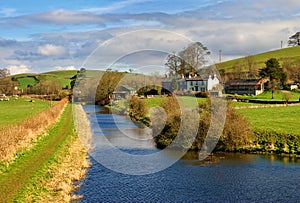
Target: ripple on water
225 178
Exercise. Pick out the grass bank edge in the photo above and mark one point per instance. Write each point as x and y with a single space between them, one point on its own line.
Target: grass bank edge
270 140
53 181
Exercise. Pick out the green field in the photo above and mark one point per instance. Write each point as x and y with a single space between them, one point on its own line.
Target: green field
278 96
279 119
24 82
14 111
186 101
62 76
240 104
260 59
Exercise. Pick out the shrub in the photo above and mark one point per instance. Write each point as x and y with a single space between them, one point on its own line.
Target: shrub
172 123
237 131
137 109
202 94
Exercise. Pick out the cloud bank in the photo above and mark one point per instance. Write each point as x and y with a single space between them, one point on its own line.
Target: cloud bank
65 38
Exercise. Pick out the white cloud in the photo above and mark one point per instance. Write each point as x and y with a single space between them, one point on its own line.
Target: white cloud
17 69
52 50
64 68
252 28
113 6
7 12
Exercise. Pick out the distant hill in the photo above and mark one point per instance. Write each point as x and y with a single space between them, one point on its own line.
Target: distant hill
287 53
63 76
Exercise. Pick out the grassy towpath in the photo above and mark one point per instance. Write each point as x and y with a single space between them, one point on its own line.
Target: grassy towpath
21 171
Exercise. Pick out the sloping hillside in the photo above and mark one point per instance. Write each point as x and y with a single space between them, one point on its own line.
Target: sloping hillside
31 79
287 53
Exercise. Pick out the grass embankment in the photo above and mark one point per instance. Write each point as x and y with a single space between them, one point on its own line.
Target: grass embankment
19 136
16 110
278 96
279 119
276 129
46 172
185 100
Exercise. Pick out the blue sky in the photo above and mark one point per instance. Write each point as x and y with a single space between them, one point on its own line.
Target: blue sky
38 36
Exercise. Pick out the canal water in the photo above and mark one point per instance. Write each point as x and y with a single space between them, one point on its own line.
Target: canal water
224 177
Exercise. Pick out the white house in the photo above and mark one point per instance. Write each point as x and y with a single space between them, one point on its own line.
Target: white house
196 83
212 82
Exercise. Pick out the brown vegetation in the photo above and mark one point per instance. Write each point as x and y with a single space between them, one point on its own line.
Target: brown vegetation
237 131
236 134
70 166
19 136
137 109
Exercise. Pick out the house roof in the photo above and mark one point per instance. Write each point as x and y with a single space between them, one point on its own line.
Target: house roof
195 79
245 82
126 87
198 78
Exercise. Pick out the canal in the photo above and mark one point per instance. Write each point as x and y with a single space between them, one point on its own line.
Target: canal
223 177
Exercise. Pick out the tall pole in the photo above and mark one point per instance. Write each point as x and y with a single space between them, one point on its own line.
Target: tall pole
281 43
220 55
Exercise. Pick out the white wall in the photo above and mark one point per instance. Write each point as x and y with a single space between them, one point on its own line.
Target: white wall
212 82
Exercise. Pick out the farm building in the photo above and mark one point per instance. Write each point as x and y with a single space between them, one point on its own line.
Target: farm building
123 91
247 86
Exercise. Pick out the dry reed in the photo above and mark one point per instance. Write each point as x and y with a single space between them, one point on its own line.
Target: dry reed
70 165
82 125
15 137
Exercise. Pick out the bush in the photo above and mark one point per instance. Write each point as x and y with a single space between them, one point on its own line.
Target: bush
202 94
237 131
137 109
236 135
164 137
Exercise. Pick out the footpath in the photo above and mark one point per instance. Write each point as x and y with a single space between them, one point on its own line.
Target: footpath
20 172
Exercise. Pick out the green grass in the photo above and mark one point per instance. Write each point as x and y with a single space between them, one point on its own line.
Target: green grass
239 104
278 96
62 73
186 101
20 174
260 59
15 111
279 119
24 82
62 76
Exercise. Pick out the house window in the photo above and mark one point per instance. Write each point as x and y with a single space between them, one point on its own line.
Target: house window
191 83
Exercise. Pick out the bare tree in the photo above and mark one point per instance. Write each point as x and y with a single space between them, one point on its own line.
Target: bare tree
237 67
174 63
288 67
188 61
7 86
294 40
250 63
4 73
194 57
